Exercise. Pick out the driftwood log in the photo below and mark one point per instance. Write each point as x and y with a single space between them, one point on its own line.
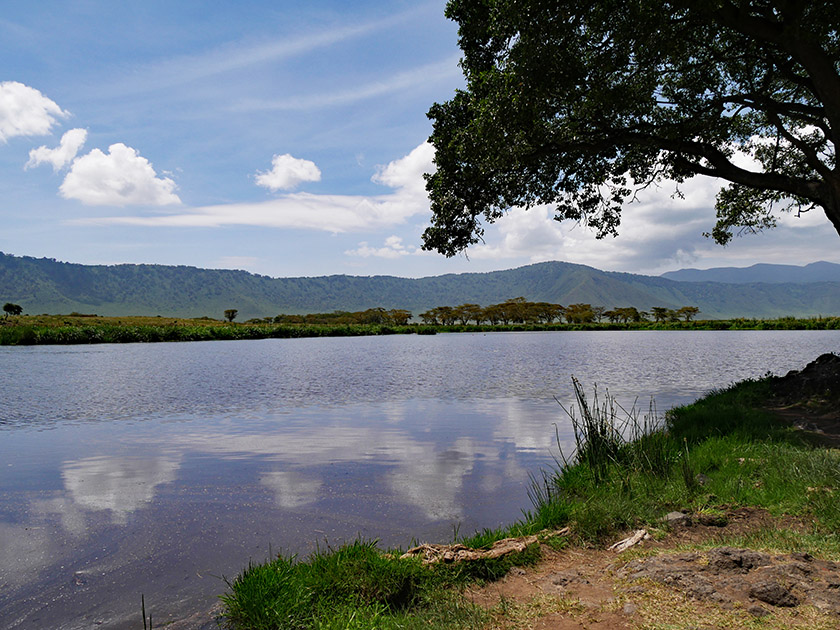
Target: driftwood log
433 554
634 539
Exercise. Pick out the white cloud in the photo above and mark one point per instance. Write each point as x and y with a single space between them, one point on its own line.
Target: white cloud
658 232
237 56
442 72
121 485
393 248
330 213
119 178
292 489
24 111
406 173
287 172
654 230
63 154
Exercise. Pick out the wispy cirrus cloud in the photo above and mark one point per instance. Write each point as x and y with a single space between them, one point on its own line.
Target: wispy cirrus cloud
238 55
329 213
443 71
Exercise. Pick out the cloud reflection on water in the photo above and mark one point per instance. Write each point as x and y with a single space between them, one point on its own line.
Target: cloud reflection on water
120 485
292 489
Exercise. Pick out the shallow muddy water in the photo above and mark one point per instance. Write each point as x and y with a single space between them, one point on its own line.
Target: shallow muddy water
162 468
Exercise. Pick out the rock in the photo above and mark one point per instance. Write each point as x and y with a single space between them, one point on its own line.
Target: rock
757 611
795 570
630 608
732 559
701 588
773 593
677 518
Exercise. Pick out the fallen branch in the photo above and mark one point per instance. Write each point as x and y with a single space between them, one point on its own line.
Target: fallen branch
433 554
638 536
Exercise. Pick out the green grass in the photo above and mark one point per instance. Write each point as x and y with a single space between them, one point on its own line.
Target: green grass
82 329
721 451
86 332
353 586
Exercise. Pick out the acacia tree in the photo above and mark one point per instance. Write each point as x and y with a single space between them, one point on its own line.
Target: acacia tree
687 312
12 309
580 104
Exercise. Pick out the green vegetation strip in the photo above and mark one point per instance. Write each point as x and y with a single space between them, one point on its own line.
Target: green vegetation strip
716 454
83 329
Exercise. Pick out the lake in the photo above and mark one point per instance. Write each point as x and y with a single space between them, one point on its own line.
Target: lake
159 469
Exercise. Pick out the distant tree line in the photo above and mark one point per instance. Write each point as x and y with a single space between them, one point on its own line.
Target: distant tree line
513 311
380 316
520 311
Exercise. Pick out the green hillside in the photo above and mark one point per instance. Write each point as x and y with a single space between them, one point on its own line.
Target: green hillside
821 271
42 285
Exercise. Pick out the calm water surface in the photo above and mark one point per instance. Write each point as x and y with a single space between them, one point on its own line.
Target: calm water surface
160 468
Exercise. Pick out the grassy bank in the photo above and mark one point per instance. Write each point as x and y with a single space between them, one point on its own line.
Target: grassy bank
709 457
52 330
82 329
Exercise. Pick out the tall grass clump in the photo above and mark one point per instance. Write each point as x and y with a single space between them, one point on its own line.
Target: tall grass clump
608 436
726 449
619 474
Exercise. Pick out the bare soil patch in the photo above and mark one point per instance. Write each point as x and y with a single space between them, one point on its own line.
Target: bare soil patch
659 583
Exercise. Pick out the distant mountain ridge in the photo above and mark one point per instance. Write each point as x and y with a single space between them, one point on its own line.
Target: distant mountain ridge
776 274
42 285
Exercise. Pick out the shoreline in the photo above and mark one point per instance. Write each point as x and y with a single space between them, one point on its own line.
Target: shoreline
74 330
729 469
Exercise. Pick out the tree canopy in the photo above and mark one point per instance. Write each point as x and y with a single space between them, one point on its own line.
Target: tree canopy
12 309
580 105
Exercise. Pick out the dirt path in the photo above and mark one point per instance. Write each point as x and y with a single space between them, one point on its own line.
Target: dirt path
669 583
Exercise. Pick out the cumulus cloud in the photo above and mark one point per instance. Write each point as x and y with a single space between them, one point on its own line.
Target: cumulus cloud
287 172
406 173
658 232
63 154
330 213
657 229
120 177
24 111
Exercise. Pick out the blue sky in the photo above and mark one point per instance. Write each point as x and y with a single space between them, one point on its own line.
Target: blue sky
284 138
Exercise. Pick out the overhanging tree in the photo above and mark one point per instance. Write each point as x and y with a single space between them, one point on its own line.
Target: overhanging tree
579 105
